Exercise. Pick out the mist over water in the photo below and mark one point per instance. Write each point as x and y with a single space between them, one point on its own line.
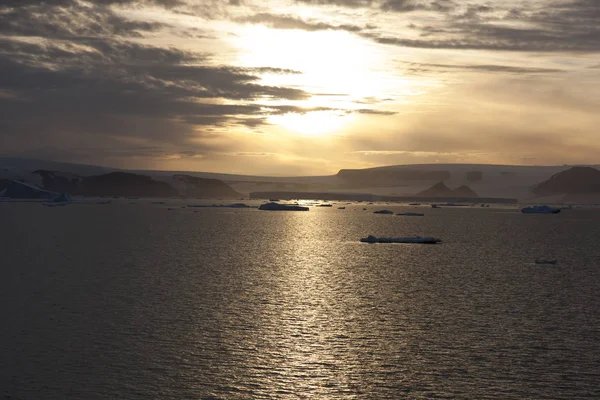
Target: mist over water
135 302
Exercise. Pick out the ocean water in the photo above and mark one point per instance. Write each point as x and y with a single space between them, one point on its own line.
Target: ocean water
135 301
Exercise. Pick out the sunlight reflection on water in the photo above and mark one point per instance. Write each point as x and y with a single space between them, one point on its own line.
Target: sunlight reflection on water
263 305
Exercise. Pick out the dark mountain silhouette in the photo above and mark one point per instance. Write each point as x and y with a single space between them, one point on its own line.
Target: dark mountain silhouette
125 184
441 190
62 182
464 191
4 183
577 180
191 186
438 190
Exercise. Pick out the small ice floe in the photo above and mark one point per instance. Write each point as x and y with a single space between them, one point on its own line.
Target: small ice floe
541 261
411 239
383 212
540 210
341 208
281 207
411 214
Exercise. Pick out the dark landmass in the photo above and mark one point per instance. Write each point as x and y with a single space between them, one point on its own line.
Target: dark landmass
205 188
123 184
388 176
59 181
371 197
574 181
4 183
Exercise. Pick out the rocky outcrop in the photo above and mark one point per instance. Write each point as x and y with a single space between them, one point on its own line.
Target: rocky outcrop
577 180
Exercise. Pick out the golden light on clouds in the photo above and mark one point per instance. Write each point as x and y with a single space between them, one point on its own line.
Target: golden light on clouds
338 83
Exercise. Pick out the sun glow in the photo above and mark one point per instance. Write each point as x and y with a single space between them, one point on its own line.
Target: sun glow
318 123
337 68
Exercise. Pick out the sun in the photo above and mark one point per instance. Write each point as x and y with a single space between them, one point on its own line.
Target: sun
327 61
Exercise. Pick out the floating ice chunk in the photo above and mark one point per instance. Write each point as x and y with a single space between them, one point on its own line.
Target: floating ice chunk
281 207
540 210
412 239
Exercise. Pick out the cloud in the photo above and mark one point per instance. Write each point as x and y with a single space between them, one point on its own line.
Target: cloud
342 3
419 68
67 19
290 22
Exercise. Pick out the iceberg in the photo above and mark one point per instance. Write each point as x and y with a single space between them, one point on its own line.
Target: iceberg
61 198
22 190
540 210
412 239
281 207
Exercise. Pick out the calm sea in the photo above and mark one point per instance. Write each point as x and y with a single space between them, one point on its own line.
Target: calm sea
136 301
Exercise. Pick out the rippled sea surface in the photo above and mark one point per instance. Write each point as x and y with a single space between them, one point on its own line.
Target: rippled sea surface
135 301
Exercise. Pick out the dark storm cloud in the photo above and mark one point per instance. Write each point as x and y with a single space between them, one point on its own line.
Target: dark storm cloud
290 22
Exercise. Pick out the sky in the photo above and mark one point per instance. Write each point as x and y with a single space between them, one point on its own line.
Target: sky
300 87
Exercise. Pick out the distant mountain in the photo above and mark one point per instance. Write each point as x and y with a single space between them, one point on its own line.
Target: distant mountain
4 184
63 182
464 191
191 186
438 190
577 180
125 184
441 190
